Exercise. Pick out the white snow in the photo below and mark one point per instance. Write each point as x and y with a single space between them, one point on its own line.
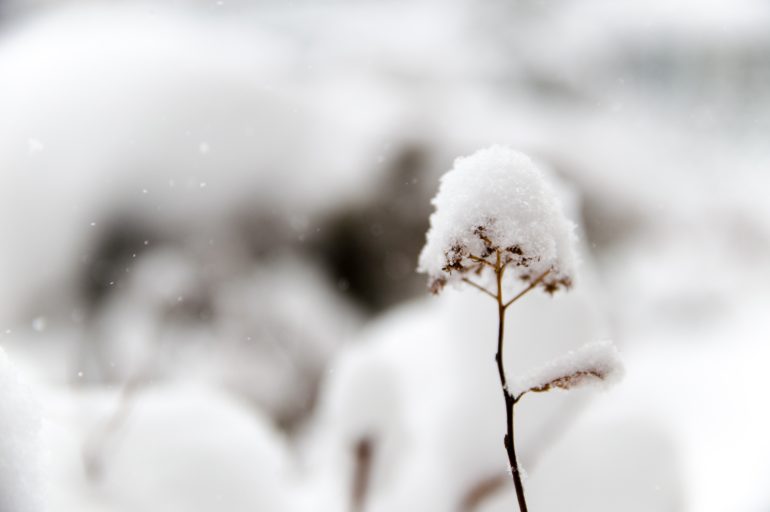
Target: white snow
597 362
657 114
181 447
498 194
19 448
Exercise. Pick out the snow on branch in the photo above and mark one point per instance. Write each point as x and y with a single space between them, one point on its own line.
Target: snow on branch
496 202
596 362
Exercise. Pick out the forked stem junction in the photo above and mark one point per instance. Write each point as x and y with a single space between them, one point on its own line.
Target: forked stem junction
510 399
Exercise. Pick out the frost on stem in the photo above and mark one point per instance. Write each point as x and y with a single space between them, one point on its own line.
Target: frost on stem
497 201
594 363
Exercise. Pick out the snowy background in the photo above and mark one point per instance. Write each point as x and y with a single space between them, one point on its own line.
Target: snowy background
210 215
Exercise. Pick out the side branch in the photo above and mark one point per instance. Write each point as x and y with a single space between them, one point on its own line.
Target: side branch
482 261
479 287
527 289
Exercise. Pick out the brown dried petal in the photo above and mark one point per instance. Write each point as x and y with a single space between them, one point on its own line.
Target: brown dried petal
436 285
572 380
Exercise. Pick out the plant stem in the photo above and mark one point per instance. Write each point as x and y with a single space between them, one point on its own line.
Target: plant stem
479 287
510 401
525 290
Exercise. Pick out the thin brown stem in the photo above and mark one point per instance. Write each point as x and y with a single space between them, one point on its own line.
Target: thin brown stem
510 401
479 287
527 289
481 260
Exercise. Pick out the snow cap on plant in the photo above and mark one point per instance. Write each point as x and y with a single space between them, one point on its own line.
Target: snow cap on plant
497 202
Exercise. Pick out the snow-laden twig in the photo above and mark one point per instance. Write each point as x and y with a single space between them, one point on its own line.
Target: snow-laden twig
594 363
496 217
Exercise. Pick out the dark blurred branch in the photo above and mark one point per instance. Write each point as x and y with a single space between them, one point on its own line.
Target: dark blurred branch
97 445
364 455
480 492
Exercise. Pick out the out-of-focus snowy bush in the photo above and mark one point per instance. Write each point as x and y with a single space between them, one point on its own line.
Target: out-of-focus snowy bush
266 334
169 122
183 447
280 329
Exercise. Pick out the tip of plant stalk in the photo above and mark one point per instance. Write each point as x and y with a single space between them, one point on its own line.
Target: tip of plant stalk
495 209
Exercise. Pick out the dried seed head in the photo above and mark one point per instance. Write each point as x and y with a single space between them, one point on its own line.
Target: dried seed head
571 380
596 362
496 202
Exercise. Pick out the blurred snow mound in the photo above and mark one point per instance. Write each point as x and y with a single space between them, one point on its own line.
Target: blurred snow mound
20 487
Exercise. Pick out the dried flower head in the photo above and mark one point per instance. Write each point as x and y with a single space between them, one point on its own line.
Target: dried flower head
497 202
594 363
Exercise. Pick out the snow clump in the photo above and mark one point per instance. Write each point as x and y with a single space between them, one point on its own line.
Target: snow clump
597 362
497 203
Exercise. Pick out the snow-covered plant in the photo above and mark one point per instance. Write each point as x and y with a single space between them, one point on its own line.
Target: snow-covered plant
498 222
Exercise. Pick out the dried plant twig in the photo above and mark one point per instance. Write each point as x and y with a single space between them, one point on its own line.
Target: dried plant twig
479 287
525 290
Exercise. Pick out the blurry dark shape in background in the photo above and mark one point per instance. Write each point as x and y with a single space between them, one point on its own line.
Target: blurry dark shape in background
371 251
120 243
367 252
